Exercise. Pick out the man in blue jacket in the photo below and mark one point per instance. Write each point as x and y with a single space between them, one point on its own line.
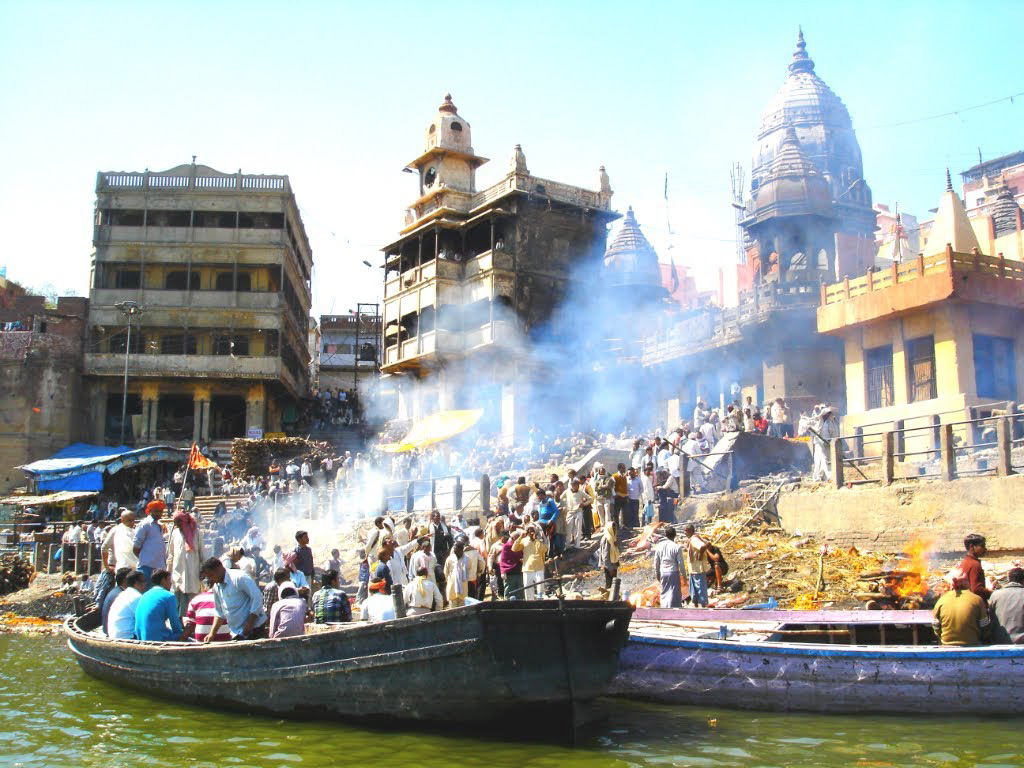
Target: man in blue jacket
156 615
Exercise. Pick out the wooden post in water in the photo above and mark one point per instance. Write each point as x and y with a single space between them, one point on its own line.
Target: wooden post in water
947 452
1004 447
887 458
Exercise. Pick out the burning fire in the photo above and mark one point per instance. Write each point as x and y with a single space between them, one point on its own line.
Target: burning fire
913 570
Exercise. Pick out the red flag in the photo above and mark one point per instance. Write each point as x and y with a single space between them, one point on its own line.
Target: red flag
196 460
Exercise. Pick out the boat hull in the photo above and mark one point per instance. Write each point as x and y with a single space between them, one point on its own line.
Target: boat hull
465 665
779 676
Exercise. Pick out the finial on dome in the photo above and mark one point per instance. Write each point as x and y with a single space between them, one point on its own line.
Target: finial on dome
801 61
519 161
447 106
949 181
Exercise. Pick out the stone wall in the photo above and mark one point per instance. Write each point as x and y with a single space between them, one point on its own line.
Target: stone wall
886 518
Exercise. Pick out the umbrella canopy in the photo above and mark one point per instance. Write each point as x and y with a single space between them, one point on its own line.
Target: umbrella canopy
436 428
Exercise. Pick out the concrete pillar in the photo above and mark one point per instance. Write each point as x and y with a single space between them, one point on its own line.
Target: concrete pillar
204 431
197 418
514 396
149 414
255 407
99 414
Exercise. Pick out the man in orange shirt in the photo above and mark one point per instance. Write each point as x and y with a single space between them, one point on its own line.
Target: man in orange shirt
620 499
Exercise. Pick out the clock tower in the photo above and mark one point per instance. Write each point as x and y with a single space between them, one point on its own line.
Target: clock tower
448 164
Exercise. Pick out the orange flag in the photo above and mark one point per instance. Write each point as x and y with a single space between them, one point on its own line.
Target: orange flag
196 460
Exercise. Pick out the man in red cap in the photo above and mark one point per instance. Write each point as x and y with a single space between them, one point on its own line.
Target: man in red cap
149 544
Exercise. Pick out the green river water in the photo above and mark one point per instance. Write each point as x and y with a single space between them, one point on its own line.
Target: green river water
51 714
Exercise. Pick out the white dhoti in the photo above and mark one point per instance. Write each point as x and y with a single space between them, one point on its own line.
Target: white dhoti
821 467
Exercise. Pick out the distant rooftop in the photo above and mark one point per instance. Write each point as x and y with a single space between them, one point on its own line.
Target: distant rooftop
191 176
992 167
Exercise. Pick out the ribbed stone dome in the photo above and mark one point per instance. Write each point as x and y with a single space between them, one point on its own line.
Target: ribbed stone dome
632 258
1004 213
823 127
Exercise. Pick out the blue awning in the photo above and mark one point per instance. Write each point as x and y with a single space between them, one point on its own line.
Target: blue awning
81 458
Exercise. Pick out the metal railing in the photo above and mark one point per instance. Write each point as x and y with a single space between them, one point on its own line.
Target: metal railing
977 446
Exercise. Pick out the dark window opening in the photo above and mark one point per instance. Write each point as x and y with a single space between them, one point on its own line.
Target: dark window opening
878 362
133 408
178 344
127 278
118 340
215 219
227 416
995 367
270 343
457 127
476 314
175 416
260 220
126 217
367 353
921 356
169 218
181 281
231 344
244 282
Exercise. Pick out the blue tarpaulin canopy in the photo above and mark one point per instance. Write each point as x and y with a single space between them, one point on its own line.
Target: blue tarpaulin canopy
80 466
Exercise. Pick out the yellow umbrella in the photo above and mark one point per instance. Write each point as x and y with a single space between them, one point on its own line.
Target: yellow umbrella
436 428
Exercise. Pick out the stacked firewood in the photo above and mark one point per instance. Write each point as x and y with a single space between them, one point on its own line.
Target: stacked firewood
15 574
895 589
252 457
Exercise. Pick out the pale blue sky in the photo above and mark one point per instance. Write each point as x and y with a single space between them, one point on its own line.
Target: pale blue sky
337 95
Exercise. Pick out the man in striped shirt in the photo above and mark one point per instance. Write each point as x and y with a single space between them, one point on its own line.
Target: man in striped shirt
199 619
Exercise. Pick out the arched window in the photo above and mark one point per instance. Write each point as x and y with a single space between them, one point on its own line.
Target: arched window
433 128
457 127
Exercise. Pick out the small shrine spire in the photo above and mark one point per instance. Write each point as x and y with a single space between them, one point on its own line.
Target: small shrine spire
801 61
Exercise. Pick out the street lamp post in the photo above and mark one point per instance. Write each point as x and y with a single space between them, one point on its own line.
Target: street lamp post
129 308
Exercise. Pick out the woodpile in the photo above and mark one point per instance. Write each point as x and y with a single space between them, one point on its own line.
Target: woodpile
15 574
252 457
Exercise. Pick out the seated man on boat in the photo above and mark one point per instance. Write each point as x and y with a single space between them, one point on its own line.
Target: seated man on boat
200 616
330 604
156 614
960 616
422 594
237 601
289 615
379 606
121 619
1006 608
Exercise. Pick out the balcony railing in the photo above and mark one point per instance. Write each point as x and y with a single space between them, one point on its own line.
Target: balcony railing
148 180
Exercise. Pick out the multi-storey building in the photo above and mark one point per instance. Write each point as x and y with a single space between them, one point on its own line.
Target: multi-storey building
349 351
474 273
220 267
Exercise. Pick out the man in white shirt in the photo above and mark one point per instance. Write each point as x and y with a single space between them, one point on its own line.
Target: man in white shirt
117 549
422 595
648 496
237 602
121 618
573 501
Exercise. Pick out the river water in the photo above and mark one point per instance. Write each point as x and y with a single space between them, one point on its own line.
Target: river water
51 714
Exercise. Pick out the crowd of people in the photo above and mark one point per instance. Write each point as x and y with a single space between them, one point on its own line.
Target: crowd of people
329 408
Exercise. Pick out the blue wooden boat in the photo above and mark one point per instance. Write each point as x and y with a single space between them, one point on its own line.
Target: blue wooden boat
816 661
519 662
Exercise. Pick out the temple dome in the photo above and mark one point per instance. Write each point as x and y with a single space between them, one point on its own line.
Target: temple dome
1005 213
792 185
633 259
823 127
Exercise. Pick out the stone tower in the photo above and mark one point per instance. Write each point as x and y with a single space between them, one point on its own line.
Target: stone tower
806 110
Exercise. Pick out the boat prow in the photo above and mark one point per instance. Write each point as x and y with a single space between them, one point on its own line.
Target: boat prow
526 660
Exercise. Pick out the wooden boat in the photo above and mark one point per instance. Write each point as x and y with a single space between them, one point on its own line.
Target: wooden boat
819 661
526 660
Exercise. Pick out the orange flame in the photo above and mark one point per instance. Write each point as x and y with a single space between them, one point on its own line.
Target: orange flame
914 568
